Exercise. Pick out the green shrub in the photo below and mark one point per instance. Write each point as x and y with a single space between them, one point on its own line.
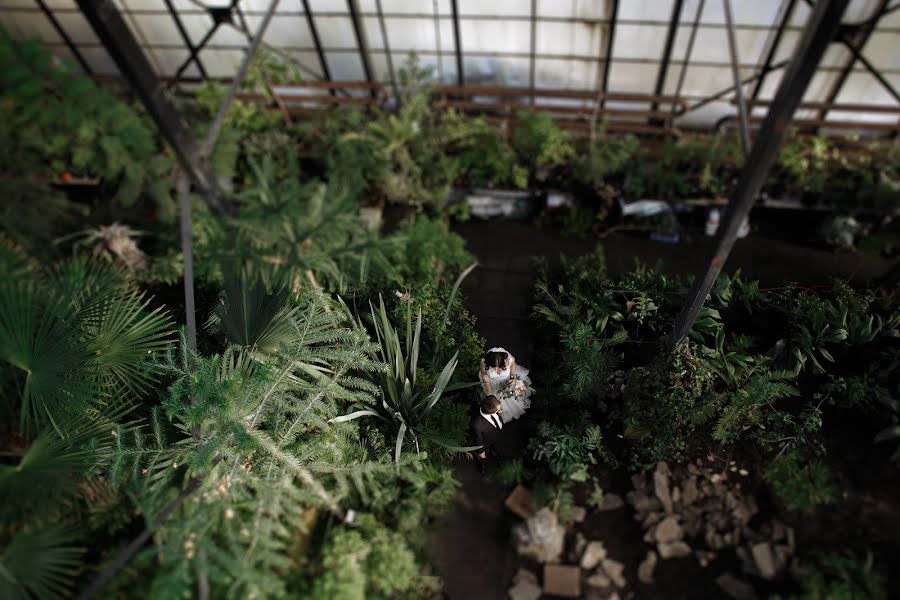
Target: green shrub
367 561
509 473
800 482
569 450
841 576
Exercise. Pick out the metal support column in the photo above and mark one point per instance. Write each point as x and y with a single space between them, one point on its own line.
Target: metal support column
858 55
187 39
667 52
738 84
65 37
533 50
361 42
773 48
688 51
460 76
820 30
722 93
314 32
134 66
607 59
862 34
387 51
216 127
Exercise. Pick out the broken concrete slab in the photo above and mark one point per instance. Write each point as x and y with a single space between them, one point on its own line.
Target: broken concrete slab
562 580
520 503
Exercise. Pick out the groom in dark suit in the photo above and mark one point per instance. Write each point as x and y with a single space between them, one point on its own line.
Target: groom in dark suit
487 427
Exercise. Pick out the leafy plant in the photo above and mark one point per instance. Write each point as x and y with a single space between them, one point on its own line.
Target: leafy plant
844 576
405 405
569 450
541 144
800 482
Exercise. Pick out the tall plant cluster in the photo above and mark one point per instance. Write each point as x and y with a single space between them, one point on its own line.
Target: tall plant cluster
59 127
761 367
265 462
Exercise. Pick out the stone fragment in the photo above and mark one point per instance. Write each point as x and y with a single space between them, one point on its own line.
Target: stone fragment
644 503
652 519
519 503
577 547
562 580
646 568
638 482
541 538
764 560
676 549
782 557
525 590
735 588
598 580
594 552
705 557
779 531
747 564
661 486
524 575
611 502
668 530
614 569
579 513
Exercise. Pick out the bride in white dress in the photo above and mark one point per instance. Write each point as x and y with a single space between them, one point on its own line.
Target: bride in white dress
502 377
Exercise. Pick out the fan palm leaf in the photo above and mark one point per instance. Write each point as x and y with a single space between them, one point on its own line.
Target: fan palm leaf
39 564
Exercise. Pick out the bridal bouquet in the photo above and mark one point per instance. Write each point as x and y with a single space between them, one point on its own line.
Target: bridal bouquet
515 388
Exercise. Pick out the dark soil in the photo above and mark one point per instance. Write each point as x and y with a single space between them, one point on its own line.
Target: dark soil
470 546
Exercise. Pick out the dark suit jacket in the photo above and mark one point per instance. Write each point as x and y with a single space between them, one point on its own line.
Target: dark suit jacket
483 433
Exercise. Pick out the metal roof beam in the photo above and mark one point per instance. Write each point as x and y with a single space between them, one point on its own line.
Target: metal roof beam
112 30
821 28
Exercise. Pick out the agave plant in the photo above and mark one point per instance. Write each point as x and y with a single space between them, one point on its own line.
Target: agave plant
405 402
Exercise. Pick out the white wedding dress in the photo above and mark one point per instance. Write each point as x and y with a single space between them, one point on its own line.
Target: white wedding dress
514 394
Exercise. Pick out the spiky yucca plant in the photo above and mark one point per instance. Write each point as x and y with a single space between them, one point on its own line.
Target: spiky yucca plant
404 403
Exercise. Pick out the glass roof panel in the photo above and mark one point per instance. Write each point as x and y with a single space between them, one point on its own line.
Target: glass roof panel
570 39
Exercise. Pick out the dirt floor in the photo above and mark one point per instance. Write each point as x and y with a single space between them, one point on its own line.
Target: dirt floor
470 546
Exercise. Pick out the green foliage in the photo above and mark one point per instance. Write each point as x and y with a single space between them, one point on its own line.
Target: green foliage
799 482
286 231
58 125
569 450
80 336
405 405
605 159
482 152
444 332
427 253
509 473
369 561
266 453
541 144
39 564
841 576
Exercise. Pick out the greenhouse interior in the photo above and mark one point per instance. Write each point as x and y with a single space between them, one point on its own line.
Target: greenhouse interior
449 299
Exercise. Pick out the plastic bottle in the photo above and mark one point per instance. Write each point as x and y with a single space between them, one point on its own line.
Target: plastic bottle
712 221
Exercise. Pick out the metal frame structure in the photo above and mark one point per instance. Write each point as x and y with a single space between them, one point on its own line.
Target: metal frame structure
823 25
607 54
667 51
823 28
457 38
738 84
110 27
65 36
